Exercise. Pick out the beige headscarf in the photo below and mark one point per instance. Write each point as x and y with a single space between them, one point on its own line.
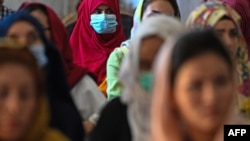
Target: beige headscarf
137 99
164 123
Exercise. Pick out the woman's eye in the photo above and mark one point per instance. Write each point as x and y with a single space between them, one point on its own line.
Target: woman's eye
234 34
14 37
195 86
32 38
109 11
25 94
219 34
221 81
98 12
3 93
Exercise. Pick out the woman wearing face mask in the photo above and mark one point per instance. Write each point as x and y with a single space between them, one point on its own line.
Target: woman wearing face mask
97 32
192 99
126 118
84 90
226 23
28 31
145 9
24 113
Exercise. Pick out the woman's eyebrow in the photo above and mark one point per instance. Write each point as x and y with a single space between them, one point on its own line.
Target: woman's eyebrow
155 11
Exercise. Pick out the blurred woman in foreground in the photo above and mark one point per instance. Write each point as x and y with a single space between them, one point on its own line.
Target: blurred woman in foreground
28 32
24 112
226 23
192 99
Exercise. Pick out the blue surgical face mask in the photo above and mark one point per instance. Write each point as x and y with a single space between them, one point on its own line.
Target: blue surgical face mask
146 80
103 23
38 50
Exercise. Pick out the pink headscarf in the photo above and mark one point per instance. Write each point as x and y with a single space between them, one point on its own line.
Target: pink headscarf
90 49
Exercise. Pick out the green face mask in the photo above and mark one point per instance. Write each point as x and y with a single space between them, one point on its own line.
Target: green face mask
146 80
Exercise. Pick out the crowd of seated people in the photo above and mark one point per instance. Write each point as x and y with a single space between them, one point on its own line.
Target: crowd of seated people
104 74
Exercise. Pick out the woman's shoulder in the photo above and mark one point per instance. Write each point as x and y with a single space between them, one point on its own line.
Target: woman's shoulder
120 51
54 135
117 55
114 111
112 123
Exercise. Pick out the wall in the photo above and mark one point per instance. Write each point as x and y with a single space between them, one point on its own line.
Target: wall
62 7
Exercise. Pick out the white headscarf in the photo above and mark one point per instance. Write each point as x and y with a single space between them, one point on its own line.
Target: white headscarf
136 98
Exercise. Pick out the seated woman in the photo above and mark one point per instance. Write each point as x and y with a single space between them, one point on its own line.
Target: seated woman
226 23
97 32
243 8
145 9
126 118
84 91
193 99
24 112
28 31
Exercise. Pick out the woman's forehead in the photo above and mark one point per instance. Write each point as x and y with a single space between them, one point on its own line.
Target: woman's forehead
105 4
26 25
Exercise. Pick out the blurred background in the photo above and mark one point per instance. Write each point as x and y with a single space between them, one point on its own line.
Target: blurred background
64 7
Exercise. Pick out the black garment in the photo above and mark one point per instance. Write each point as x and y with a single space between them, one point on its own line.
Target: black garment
127 23
113 123
63 113
70 28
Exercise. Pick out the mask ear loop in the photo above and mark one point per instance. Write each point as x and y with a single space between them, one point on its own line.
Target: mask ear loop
39 53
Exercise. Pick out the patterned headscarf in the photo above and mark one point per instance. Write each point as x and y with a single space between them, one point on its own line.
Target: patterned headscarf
207 16
243 8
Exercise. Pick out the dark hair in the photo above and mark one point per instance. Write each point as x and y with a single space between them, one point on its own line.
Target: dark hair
33 7
225 18
172 2
194 44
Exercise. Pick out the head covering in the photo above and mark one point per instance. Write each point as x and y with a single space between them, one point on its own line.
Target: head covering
61 104
137 100
13 52
60 37
164 123
90 49
137 16
243 8
136 21
206 16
